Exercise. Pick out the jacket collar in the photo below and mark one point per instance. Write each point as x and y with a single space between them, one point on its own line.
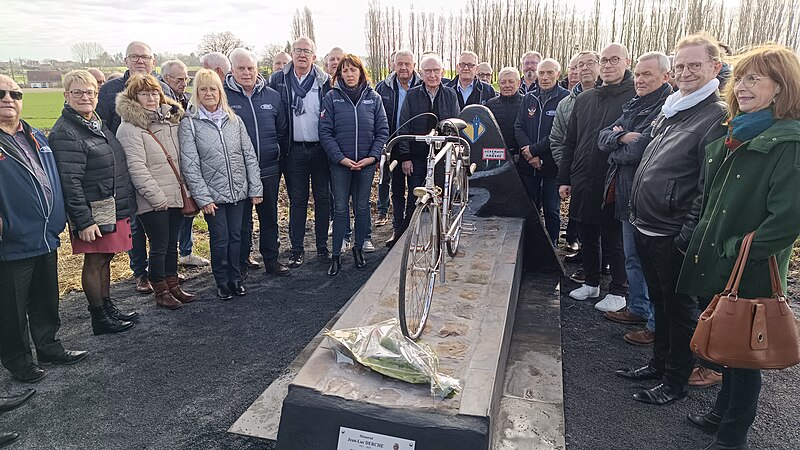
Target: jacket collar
392 78
234 86
781 132
131 111
319 74
477 84
685 113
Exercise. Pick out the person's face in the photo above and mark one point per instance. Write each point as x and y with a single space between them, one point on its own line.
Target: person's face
467 68
99 77
177 79
694 68
245 73
509 84
574 75
280 61
404 67
588 68
10 109
754 91
149 99
547 74
82 97
529 66
613 63
303 56
648 76
431 73
350 75
334 58
209 96
485 75
140 59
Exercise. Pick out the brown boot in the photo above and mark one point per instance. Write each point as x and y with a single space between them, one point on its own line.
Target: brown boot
177 292
143 285
163 296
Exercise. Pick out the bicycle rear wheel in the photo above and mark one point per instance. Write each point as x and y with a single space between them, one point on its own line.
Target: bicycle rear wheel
418 269
459 196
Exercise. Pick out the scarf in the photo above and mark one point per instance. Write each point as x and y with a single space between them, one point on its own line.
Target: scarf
746 126
95 124
677 102
300 90
354 93
217 116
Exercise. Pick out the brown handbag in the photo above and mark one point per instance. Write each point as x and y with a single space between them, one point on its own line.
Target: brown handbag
760 333
190 208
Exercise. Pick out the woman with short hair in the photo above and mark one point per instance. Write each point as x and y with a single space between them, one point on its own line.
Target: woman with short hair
97 195
221 170
149 135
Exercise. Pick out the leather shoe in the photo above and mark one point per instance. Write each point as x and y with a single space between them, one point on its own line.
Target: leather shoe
393 239
716 445
642 373
7 438
9 403
708 422
252 263
358 258
660 395
336 266
224 292
274 267
67 358
574 258
641 338
625 317
30 374
237 288
143 285
703 377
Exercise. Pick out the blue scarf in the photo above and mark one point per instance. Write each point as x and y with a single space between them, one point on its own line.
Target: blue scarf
300 90
746 126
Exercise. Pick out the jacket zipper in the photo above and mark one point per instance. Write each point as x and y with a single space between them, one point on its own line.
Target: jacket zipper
45 211
227 157
355 112
645 166
255 121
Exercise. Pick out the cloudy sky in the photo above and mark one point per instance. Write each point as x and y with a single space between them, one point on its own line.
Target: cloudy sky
40 29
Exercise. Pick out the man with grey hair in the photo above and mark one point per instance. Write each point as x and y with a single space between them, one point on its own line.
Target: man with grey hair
530 64
625 141
331 61
217 62
98 75
175 74
485 72
470 89
505 107
279 60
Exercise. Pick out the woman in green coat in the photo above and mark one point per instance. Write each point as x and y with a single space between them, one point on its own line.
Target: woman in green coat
752 181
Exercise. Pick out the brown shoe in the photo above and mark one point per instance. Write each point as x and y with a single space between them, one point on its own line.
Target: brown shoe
181 278
703 377
143 285
625 317
642 338
177 292
163 297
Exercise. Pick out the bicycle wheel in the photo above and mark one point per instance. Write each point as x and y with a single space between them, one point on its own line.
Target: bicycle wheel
418 269
459 197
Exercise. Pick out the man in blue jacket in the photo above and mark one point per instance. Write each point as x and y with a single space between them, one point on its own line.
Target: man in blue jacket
470 89
261 109
32 216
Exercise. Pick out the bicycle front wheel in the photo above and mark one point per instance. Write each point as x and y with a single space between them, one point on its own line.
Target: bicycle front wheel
418 269
459 196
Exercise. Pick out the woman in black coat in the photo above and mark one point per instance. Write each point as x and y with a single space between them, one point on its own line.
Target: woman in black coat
97 195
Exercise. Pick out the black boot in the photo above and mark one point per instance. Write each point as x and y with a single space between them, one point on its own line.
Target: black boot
336 266
105 323
109 306
358 257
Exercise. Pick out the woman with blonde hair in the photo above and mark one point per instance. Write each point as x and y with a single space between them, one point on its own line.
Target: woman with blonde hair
221 170
149 135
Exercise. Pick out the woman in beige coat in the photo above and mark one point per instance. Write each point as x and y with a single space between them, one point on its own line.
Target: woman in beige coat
149 131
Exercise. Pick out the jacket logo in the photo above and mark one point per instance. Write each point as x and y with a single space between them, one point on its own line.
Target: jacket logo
321 113
551 113
236 106
338 100
45 149
266 106
532 111
368 102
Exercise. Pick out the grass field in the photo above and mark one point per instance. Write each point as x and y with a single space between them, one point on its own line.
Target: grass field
42 107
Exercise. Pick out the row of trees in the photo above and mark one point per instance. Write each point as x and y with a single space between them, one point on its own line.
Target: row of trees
500 31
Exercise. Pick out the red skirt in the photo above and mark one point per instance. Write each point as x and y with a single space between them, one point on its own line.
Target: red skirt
116 242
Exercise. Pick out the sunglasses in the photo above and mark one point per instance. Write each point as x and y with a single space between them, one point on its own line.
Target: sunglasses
15 95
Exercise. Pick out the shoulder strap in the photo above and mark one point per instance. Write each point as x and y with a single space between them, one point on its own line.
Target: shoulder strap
169 158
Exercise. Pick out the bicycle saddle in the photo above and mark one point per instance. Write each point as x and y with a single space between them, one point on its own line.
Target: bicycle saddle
447 125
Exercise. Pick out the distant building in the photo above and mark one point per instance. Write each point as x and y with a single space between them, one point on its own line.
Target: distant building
44 78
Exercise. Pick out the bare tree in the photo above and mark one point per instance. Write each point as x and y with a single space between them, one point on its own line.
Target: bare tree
85 51
303 24
220 42
268 53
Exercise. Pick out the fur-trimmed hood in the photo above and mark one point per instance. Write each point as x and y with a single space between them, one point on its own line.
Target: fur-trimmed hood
131 111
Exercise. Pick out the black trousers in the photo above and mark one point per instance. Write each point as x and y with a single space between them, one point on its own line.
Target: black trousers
736 403
674 313
246 243
403 199
301 164
611 232
161 228
29 295
268 219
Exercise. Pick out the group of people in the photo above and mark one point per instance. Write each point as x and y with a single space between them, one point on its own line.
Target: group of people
664 178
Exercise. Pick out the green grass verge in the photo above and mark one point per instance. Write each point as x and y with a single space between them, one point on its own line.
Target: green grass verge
42 109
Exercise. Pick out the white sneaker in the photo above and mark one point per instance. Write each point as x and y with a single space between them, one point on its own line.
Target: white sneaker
368 247
193 260
584 292
611 303
330 228
345 245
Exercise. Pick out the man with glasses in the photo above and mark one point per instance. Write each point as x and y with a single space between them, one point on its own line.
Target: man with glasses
138 58
302 86
530 63
470 90
99 76
581 176
666 200
32 216
485 73
430 97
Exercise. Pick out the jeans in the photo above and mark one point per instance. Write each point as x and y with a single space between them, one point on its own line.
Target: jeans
638 300
303 163
358 185
29 295
267 212
383 190
736 404
611 231
246 242
138 253
225 230
674 313
185 237
161 228
403 199
543 192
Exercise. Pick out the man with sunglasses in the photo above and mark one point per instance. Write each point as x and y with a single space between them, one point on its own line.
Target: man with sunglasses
470 89
32 216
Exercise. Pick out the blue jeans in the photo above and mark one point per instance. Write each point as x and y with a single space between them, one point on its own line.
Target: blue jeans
357 184
303 163
138 253
185 237
225 230
639 299
543 192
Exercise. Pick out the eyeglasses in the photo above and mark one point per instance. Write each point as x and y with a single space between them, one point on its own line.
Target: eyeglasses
186 80
77 93
484 74
431 71
466 65
145 94
302 51
693 67
143 58
748 80
614 60
588 64
15 95
572 68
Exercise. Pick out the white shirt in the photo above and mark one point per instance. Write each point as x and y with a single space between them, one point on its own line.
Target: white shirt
306 127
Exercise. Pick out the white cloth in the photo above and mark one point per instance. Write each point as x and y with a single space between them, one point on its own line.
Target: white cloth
678 102
306 126
217 116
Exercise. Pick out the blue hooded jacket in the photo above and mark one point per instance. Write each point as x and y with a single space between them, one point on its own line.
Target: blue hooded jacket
354 131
